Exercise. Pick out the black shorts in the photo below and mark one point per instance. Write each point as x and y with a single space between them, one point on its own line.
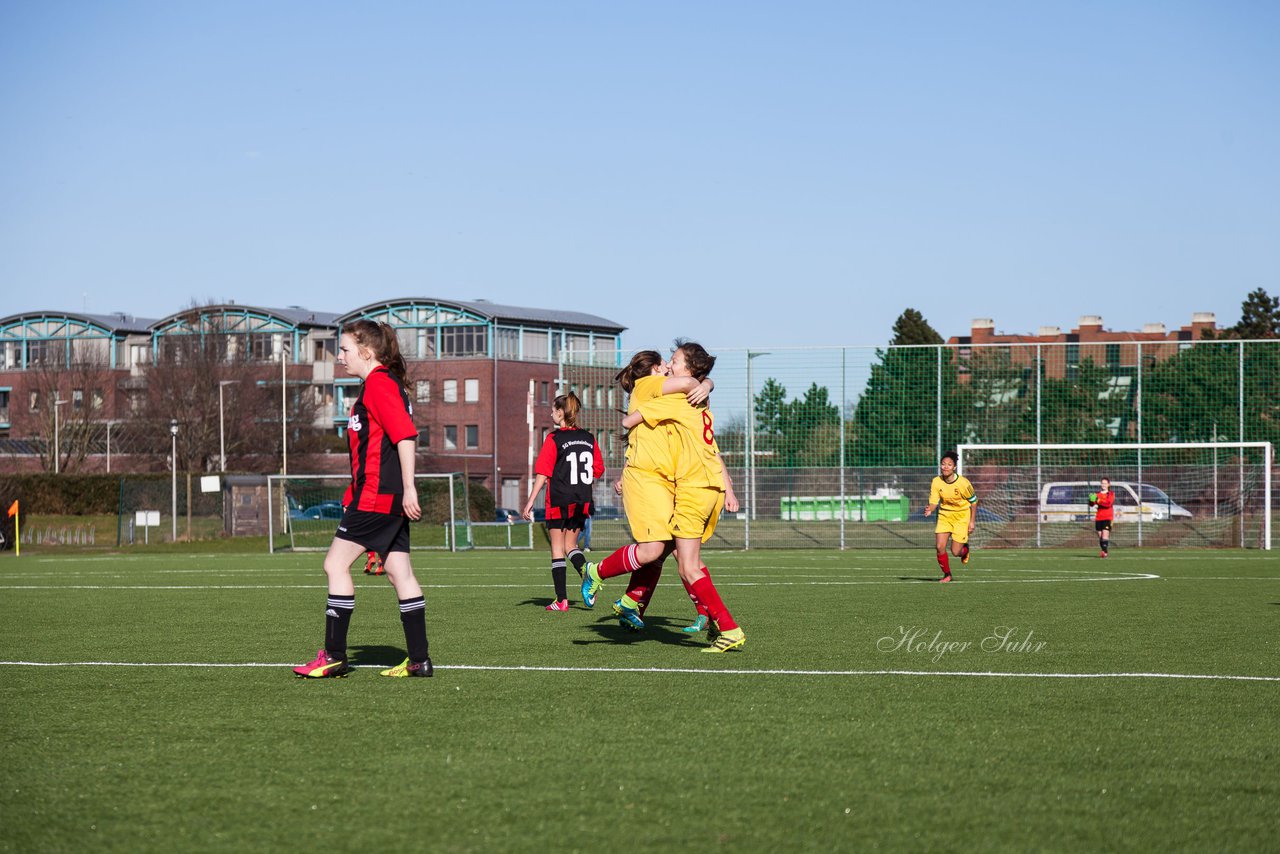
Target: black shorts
379 532
568 523
1102 525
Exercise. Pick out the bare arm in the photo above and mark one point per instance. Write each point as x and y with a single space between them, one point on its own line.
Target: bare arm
695 390
538 483
730 497
405 449
632 420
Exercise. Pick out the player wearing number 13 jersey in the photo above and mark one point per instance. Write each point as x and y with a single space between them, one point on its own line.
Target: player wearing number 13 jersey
569 463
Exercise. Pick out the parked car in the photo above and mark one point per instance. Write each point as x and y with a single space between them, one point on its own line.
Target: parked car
1068 501
506 514
323 510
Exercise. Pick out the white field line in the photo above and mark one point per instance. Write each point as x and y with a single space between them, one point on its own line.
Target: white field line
679 670
538 585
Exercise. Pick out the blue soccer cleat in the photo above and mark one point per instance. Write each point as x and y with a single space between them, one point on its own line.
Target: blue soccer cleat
699 625
629 617
590 585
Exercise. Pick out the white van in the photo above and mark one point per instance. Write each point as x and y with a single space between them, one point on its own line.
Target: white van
1068 501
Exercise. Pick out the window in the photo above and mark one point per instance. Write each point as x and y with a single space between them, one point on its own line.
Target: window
1113 354
424 436
424 391
140 354
450 437
260 346
408 341
580 345
471 390
4 405
507 343
451 391
463 341
35 401
77 399
473 435
535 346
39 352
546 387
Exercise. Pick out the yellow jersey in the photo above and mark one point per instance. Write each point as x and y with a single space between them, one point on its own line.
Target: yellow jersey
954 497
650 447
694 450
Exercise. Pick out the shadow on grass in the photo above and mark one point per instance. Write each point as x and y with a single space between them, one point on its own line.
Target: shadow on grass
662 630
385 656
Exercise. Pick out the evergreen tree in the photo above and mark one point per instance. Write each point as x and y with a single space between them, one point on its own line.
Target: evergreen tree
912 328
1259 316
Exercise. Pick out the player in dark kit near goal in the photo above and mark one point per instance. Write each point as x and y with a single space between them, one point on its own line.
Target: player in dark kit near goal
379 503
568 464
1104 499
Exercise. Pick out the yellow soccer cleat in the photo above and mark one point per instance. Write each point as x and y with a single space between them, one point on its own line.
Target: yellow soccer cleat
410 668
731 639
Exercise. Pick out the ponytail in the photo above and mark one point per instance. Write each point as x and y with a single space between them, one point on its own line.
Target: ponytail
570 405
381 340
640 366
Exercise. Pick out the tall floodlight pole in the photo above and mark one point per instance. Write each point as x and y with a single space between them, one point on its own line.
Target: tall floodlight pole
751 447
57 448
173 466
284 412
222 436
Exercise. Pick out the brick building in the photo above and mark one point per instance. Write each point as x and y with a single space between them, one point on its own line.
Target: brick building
1063 352
482 375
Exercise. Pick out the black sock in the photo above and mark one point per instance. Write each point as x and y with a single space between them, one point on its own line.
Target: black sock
337 617
413 616
578 559
1106 546
558 574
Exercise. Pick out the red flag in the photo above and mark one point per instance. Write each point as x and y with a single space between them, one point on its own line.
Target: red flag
13 508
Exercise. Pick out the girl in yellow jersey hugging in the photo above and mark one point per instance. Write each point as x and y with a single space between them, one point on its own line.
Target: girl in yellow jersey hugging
957 515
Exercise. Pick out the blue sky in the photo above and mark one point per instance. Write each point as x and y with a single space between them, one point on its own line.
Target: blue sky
745 173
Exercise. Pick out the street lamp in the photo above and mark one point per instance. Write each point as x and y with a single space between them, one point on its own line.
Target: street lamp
57 450
173 465
284 414
222 442
751 441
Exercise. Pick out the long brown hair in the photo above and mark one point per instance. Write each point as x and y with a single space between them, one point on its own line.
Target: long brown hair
381 340
696 357
640 366
569 404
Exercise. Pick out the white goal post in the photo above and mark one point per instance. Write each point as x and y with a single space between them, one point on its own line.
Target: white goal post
1225 485
303 510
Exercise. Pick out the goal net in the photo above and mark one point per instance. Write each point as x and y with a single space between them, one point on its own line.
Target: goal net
1178 494
305 509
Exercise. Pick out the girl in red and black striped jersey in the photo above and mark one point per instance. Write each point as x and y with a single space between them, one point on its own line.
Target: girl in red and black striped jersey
379 503
569 462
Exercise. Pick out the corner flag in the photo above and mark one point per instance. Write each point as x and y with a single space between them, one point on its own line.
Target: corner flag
13 508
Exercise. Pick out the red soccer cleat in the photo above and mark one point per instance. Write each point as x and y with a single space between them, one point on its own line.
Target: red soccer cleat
944 579
1102 554
562 605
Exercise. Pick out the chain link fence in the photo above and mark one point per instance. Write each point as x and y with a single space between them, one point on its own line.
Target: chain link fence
836 447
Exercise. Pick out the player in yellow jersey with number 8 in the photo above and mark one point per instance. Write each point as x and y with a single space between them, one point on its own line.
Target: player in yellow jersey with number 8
953 497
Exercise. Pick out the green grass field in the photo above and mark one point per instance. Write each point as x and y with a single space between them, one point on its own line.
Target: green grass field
1048 700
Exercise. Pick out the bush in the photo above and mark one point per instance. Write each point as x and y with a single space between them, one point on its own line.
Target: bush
67 494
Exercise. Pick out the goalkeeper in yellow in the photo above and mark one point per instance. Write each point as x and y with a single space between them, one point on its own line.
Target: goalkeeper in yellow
956 515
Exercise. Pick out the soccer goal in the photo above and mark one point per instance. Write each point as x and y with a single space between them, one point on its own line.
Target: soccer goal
1167 494
305 509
